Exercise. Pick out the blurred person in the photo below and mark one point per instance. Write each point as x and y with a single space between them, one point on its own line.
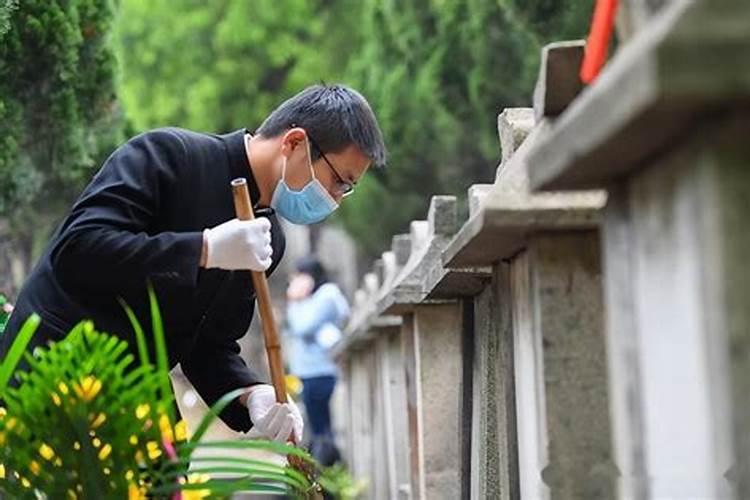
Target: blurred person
315 313
160 212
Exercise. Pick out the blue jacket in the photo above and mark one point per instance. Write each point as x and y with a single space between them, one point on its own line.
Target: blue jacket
313 324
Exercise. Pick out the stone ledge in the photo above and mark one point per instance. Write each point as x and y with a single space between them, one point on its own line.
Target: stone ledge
670 74
446 283
363 334
558 84
498 233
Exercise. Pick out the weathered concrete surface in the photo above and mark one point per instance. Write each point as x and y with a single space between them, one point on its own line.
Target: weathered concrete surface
568 313
394 400
681 292
423 271
513 126
509 213
634 15
439 372
655 88
623 347
560 368
559 82
494 464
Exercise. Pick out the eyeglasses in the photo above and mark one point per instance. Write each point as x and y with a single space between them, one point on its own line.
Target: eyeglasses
343 187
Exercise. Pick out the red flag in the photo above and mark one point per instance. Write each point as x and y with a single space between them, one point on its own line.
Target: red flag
597 45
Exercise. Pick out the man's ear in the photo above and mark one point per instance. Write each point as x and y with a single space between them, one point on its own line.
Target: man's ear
292 139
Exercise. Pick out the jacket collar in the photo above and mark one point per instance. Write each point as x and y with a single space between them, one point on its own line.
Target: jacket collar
239 165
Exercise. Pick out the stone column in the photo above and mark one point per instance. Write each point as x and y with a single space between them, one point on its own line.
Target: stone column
435 346
432 335
372 380
670 145
548 303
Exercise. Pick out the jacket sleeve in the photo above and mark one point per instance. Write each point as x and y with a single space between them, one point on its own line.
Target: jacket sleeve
306 317
110 240
214 367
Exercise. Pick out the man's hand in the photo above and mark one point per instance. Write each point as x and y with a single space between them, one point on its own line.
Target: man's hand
272 420
239 245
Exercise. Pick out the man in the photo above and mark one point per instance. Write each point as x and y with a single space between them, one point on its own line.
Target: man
160 211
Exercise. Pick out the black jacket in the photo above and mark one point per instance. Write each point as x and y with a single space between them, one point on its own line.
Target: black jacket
141 220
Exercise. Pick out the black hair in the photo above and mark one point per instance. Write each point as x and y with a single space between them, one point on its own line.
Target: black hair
311 266
335 116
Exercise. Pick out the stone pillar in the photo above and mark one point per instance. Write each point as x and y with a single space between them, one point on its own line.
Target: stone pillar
433 334
435 366
395 415
670 146
546 306
372 381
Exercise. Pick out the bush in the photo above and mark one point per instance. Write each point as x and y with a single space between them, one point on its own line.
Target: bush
87 421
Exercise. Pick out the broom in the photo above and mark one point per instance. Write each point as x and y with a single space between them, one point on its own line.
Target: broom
244 211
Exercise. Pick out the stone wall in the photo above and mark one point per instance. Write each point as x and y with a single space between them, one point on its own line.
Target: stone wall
585 333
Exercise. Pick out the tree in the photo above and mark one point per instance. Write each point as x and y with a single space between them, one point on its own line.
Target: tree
216 66
437 74
57 106
6 7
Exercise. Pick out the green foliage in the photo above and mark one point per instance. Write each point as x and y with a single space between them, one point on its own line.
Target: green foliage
437 73
87 421
6 7
215 66
56 97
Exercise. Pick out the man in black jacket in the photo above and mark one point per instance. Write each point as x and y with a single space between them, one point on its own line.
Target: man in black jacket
160 211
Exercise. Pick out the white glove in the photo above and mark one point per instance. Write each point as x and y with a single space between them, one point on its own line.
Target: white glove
272 420
239 245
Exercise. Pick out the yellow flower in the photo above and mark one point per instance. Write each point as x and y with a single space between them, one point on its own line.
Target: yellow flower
88 388
141 411
196 478
134 440
25 482
99 420
180 431
34 467
152 447
2 439
58 462
11 423
3 412
166 428
96 442
56 399
293 384
76 446
2 471
107 471
72 495
136 493
129 475
46 451
62 388
105 452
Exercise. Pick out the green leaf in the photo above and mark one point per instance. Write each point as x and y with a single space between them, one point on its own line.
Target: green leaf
17 349
138 330
162 359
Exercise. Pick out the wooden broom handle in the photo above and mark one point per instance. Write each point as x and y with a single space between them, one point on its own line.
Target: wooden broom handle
244 211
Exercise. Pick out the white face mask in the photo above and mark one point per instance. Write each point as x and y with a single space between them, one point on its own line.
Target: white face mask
309 205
